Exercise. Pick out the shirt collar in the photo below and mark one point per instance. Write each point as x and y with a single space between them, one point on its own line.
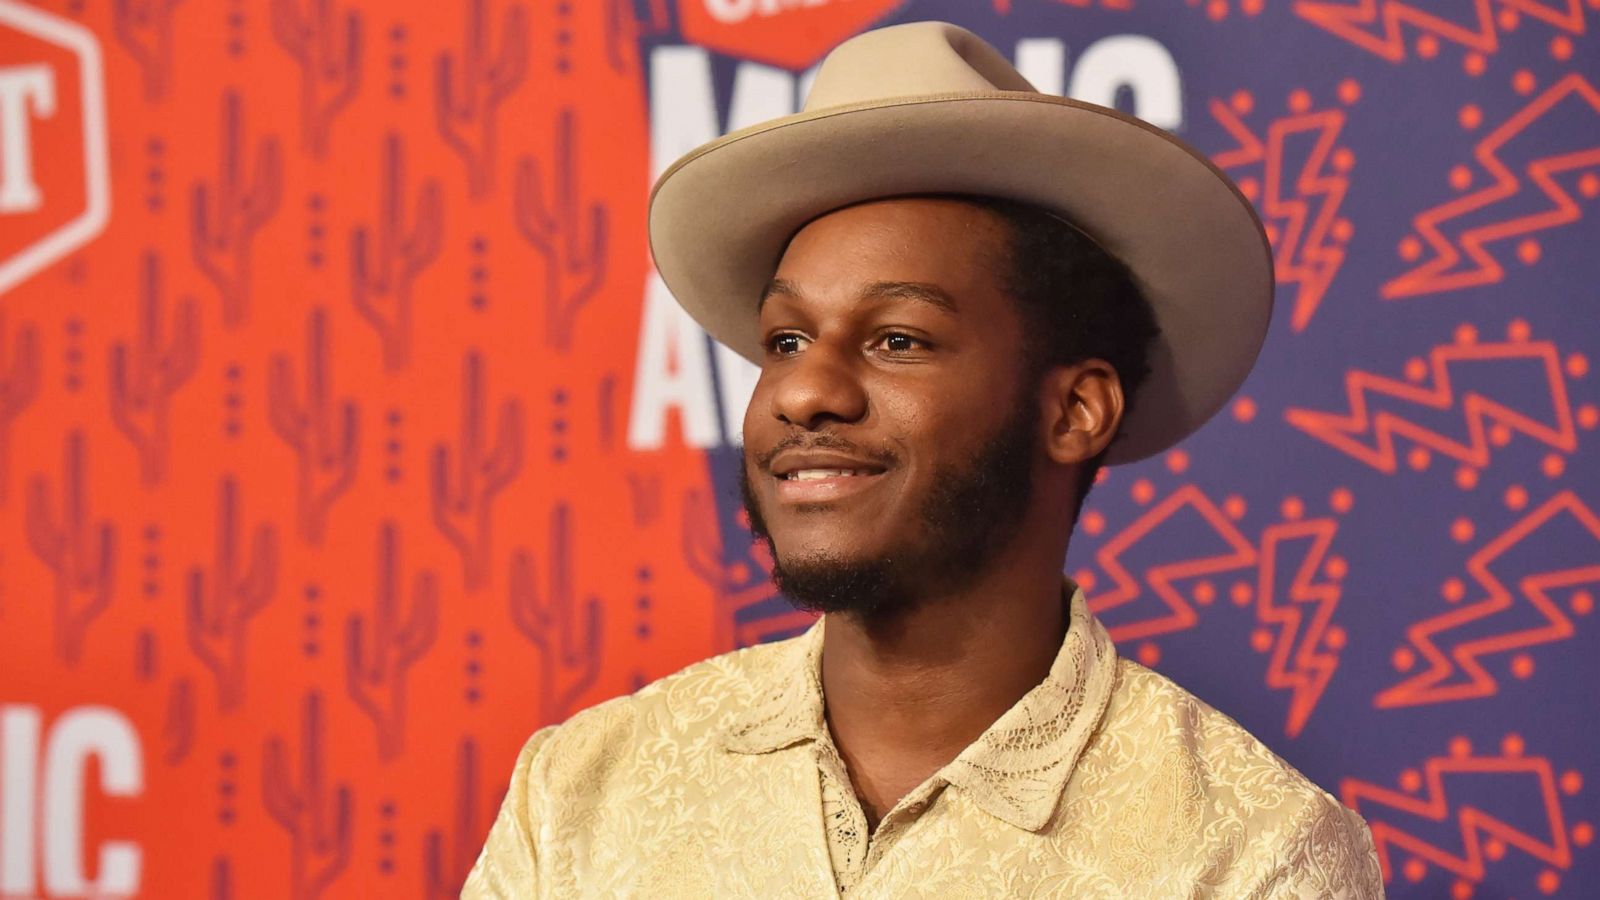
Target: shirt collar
1015 770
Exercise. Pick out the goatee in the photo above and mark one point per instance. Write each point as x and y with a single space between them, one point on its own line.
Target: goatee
972 510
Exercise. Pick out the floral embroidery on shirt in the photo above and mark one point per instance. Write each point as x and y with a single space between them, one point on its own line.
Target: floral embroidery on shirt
1105 780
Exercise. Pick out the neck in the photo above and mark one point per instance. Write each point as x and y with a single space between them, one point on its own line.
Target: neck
920 687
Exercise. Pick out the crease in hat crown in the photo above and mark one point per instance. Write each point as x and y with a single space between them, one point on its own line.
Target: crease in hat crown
950 59
872 66
930 107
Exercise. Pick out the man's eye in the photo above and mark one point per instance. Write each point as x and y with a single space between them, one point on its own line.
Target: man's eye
902 343
784 343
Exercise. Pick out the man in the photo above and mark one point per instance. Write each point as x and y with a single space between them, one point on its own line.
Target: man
964 298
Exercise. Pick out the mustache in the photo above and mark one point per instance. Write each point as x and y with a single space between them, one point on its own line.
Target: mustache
824 442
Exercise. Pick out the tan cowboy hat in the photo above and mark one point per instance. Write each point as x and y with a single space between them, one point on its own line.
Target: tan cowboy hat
929 107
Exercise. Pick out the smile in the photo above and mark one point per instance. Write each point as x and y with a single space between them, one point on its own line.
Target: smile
815 474
822 485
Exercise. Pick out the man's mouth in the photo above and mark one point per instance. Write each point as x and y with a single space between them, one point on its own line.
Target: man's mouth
818 474
812 486
821 475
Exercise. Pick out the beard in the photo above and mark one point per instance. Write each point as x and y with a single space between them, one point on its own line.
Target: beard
973 509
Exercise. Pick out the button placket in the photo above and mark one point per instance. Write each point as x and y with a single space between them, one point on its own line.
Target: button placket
848 841
901 817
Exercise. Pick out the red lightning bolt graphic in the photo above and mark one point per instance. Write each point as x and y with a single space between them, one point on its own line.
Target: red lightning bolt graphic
1366 391
1538 789
1568 19
1302 204
1463 658
1179 614
1300 661
1440 272
1353 23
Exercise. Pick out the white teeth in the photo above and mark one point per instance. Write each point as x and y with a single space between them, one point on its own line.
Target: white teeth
815 474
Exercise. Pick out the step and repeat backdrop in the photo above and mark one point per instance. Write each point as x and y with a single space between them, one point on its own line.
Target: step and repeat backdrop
347 435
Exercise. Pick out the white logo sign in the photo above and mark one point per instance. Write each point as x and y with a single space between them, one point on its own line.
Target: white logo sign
30 95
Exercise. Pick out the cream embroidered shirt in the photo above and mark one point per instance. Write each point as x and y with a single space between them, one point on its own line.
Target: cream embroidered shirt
1105 780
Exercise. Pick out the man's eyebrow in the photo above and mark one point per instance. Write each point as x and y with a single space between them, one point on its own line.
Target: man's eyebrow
920 291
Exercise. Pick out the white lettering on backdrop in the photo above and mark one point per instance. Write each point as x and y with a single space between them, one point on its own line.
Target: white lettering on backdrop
48 789
26 93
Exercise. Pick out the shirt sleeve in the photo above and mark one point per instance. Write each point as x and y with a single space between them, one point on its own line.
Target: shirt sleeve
507 866
1329 854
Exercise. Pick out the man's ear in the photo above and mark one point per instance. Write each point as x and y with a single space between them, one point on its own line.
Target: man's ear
1084 404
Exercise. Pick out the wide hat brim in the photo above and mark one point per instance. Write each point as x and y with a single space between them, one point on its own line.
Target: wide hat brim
720 217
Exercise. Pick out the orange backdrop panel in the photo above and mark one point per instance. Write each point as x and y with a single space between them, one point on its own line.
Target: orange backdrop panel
304 458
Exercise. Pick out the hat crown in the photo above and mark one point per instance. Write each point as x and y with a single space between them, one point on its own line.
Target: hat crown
914 59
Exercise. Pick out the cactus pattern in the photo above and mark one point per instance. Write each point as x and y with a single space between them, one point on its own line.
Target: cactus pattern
83 556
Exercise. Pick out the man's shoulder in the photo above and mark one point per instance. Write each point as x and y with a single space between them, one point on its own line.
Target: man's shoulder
1173 723
1184 739
689 708
1174 769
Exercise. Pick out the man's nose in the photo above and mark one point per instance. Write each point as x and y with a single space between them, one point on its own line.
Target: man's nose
819 384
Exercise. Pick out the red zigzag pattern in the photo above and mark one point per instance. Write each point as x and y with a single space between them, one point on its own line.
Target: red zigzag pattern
1367 432
1463 659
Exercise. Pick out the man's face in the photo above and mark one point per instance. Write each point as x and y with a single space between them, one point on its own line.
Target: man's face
892 354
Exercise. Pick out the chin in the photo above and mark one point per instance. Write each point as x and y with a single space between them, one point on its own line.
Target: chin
794 552
870 588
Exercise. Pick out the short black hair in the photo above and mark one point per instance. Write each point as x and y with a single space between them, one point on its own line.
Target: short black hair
1077 302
